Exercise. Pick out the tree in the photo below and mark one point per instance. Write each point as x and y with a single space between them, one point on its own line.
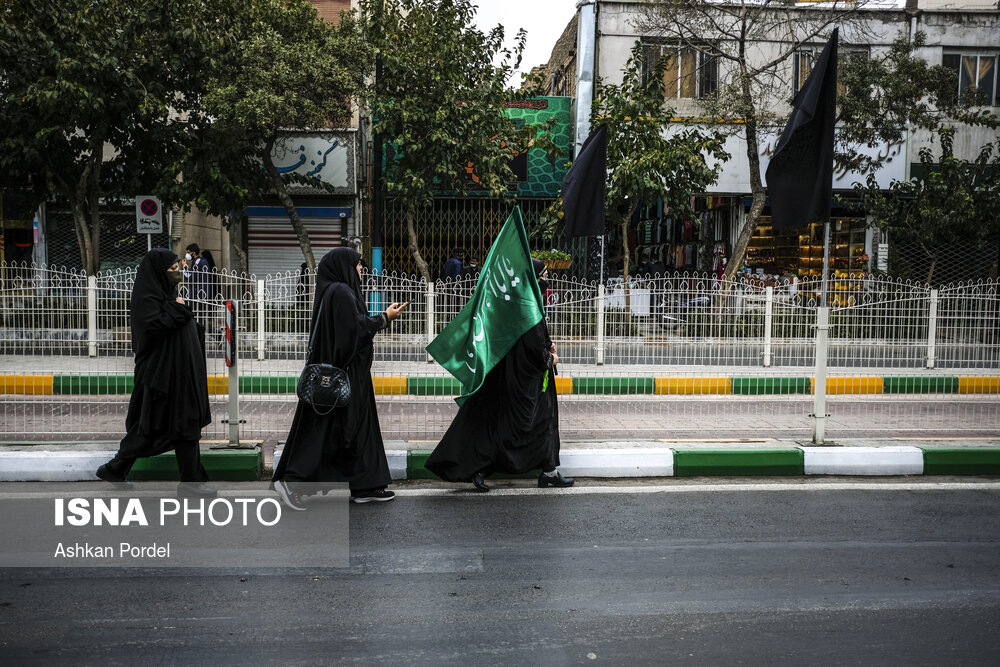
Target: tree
285 70
748 43
91 94
647 161
950 200
439 103
885 97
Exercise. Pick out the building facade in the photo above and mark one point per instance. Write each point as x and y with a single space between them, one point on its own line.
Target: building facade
963 35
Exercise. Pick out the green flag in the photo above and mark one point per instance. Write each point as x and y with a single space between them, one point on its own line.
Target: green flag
505 304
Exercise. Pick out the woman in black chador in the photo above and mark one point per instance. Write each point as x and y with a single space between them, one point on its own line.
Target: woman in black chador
169 403
511 425
344 445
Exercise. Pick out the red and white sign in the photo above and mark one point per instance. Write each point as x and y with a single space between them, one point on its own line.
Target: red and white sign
148 215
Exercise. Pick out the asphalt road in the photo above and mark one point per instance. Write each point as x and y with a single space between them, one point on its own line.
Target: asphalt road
803 571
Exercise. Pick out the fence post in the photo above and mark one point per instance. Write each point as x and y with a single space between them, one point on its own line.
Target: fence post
768 319
601 295
429 318
932 329
260 320
232 357
92 316
819 387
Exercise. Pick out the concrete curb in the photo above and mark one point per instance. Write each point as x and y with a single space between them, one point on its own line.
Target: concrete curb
64 463
775 461
69 463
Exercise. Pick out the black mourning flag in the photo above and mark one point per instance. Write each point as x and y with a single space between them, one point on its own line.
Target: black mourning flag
800 174
584 186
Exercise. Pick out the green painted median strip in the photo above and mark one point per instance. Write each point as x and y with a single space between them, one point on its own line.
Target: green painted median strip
961 460
228 465
693 462
268 384
613 385
752 386
920 385
433 386
92 384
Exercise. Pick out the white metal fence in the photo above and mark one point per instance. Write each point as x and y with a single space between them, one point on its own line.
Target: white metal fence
675 356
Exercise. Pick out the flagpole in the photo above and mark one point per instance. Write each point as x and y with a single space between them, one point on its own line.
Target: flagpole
822 346
826 261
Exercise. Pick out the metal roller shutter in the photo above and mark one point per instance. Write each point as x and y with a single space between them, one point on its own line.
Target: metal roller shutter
273 246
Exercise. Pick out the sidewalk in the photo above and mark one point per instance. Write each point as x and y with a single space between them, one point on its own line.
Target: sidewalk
587 459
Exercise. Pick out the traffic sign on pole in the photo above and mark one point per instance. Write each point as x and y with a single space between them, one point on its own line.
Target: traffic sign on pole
148 215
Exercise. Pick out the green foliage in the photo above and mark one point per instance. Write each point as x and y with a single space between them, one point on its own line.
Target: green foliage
646 161
438 103
647 158
551 255
951 200
439 98
79 76
884 96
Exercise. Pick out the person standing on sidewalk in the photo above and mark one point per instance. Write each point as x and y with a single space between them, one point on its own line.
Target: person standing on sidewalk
169 403
511 424
344 445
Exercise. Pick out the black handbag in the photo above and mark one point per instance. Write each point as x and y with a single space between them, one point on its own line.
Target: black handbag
323 386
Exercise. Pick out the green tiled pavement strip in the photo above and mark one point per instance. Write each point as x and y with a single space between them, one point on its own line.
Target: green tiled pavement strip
229 465
961 461
448 386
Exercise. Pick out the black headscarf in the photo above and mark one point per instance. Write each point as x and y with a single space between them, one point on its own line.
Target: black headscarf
152 289
340 265
539 267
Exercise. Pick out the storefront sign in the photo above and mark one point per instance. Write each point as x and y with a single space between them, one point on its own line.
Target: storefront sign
328 156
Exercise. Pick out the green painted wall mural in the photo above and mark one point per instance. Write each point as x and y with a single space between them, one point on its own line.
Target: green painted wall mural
544 176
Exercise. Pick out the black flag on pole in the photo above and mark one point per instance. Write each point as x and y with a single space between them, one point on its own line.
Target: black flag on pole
800 174
584 186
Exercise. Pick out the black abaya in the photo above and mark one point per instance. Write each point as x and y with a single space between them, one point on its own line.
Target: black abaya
169 403
511 425
344 445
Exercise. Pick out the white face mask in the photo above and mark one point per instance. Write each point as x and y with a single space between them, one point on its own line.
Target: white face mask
188 257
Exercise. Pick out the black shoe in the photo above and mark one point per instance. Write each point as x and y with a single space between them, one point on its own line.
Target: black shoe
556 480
118 482
289 497
479 481
196 490
374 496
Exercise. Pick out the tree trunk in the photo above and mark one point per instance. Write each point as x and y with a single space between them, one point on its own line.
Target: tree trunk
286 202
236 244
756 185
625 259
411 232
79 203
94 202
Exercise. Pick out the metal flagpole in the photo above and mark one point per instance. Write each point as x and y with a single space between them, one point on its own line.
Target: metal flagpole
822 346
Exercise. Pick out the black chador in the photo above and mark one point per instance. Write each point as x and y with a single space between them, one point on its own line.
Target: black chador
344 445
169 403
511 424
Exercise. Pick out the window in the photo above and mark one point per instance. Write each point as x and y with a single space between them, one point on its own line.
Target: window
975 71
805 58
687 72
